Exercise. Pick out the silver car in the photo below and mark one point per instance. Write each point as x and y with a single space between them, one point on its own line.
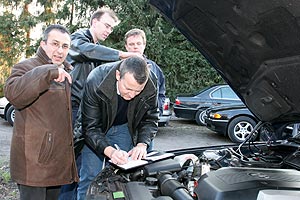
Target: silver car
7 111
165 117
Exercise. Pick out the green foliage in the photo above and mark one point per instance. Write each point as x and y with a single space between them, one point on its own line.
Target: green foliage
186 70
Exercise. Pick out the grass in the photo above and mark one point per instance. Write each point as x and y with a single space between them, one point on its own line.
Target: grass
4 170
8 189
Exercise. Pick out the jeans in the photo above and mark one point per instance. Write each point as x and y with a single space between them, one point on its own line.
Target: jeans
91 164
68 192
75 109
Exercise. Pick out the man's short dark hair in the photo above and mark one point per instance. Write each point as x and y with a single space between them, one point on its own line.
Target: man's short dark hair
136 66
101 11
135 32
51 27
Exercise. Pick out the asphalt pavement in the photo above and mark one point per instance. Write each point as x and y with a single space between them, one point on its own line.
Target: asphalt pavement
5 138
181 133
178 134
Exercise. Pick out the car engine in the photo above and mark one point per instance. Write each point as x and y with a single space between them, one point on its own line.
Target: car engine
246 171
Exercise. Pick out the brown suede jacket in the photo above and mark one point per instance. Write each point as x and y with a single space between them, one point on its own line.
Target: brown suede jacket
42 144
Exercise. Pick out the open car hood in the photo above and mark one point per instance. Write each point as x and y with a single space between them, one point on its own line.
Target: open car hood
253 44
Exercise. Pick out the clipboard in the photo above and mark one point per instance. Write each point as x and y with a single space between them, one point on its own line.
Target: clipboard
150 157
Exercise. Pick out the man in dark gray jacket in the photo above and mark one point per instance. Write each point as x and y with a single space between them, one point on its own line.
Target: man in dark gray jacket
86 52
119 109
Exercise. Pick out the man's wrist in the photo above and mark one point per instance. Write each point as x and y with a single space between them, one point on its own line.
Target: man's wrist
142 144
109 151
121 55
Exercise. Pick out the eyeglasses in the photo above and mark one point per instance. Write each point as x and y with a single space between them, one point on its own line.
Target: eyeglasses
56 45
107 26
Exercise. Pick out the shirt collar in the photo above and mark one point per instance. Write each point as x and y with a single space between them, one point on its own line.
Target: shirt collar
117 85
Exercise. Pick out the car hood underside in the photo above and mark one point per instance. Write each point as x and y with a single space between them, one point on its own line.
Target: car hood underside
253 44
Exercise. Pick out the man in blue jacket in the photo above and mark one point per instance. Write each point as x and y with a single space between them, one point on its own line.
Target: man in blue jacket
135 41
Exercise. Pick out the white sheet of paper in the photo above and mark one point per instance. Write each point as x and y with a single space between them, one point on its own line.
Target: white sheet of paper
132 164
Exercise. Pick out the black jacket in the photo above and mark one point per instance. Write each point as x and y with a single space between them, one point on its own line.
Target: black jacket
84 56
99 108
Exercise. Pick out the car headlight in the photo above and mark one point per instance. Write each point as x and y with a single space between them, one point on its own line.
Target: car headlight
217 116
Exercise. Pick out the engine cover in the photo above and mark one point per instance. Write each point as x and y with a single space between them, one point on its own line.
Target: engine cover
245 183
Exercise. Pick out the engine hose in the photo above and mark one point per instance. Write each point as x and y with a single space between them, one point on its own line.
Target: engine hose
172 188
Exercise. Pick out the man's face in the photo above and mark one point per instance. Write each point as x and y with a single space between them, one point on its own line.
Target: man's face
135 44
128 86
103 27
57 46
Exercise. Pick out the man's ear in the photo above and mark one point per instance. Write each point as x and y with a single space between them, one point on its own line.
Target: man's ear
42 43
117 75
93 22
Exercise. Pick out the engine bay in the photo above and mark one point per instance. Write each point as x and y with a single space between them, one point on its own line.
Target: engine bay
242 171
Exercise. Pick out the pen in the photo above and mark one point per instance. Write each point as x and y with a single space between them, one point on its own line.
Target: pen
117 147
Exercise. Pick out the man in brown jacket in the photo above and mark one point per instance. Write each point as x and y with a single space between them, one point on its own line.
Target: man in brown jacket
42 156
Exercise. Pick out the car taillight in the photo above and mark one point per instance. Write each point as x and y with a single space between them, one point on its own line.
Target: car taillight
166 107
177 102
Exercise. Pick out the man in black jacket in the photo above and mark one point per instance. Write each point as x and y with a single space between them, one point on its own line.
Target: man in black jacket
119 109
85 54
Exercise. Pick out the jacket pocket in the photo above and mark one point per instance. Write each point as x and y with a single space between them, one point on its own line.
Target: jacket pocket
46 148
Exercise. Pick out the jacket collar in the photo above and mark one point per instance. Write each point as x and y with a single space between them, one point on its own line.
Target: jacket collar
108 81
45 59
89 35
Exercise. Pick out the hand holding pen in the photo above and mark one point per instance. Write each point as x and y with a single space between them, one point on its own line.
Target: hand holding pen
119 156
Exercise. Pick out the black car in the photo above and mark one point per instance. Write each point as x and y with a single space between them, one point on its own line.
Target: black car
254 45
193 106
235 121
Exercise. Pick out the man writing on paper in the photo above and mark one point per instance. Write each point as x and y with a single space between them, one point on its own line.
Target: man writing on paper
119 106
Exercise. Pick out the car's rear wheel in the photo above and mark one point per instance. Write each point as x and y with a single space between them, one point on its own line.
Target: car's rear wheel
240 128
200 117
10 115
